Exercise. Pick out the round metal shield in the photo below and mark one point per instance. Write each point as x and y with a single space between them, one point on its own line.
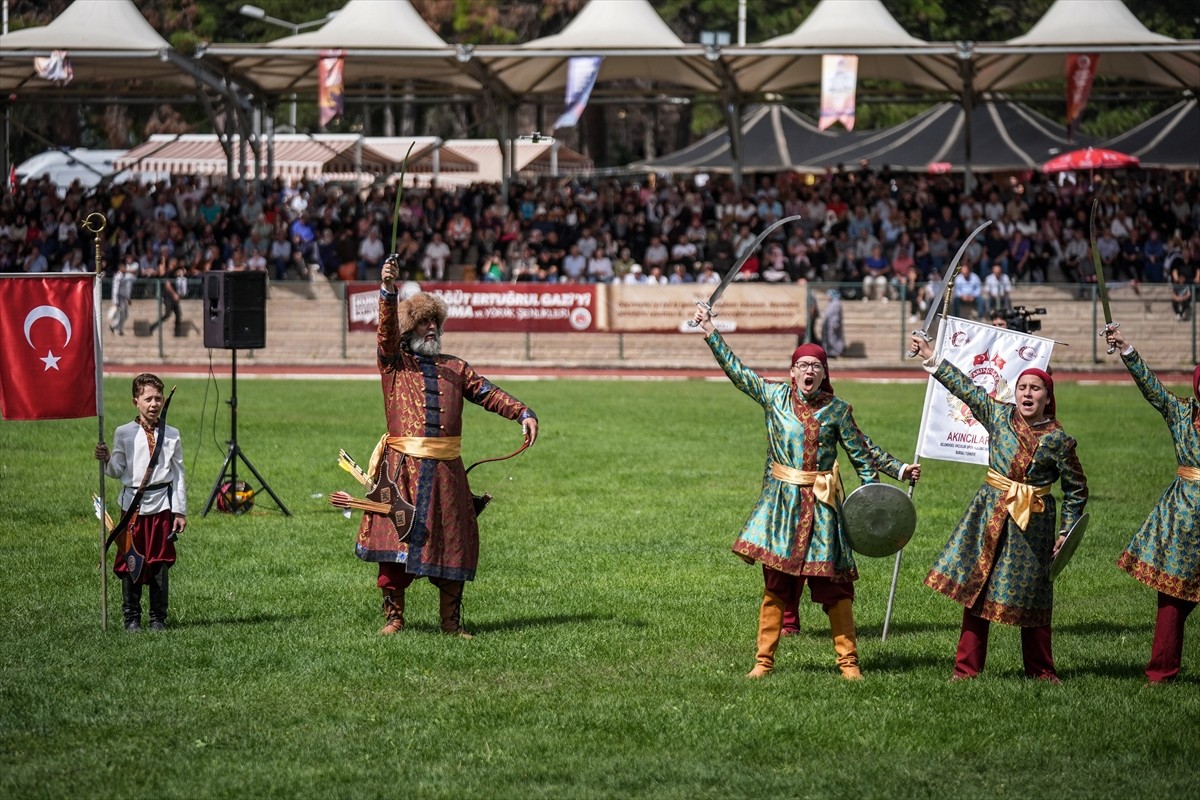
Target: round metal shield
879 519
1074 537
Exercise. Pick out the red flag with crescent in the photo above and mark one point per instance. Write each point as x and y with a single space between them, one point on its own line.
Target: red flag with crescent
47 347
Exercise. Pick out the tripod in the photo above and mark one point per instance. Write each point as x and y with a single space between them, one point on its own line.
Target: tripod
229 468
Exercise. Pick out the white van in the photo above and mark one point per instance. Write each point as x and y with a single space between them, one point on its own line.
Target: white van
65 166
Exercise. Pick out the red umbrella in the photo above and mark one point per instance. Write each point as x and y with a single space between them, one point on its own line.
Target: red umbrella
1089 158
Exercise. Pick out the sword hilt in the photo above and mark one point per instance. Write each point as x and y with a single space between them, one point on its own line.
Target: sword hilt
701 304
915 352
1112 326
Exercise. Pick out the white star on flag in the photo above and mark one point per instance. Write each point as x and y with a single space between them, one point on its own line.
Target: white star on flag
51 361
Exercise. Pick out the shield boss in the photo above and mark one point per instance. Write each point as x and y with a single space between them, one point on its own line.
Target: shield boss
879 519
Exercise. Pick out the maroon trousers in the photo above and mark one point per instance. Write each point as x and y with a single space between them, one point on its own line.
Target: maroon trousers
972 649
789 587
394 577
1167 650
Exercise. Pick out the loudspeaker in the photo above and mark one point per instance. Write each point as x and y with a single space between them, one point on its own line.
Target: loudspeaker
235 310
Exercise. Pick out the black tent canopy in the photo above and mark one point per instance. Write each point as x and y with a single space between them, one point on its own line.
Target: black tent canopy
1005 136
775 138
1170 140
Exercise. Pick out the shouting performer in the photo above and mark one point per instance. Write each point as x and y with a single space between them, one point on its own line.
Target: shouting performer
997 561
795 531
1165 553
423 394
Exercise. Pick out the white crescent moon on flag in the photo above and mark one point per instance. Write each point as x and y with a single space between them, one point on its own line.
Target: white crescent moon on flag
47 312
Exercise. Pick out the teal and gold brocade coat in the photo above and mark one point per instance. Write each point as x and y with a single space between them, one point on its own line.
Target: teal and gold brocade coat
990 565
1165 552
789 530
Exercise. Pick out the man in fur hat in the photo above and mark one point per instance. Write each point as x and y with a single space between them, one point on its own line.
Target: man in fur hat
423 394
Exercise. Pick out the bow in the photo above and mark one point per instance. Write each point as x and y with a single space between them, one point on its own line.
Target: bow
480 501
524 446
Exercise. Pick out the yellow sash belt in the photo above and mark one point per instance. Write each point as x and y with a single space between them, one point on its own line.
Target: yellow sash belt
1188 473
1021 499
440 448
827 484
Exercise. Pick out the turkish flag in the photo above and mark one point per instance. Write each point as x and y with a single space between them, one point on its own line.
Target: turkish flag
47 347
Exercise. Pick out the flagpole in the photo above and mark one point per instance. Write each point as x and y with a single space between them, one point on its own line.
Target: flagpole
887 616
95 224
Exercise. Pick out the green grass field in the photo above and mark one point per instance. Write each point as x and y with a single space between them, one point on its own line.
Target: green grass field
613 624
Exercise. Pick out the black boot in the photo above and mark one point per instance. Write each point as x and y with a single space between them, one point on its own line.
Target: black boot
131 604
158 599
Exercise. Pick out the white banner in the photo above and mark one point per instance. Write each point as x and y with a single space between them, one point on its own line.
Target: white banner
992 358
581 77
839 81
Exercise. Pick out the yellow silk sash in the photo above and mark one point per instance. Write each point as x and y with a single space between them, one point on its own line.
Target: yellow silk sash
827 484
1188 473
440 448
1021 499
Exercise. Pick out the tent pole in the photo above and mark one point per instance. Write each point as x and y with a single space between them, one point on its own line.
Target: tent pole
966 67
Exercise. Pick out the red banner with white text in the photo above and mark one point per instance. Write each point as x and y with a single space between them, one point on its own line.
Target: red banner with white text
497 307
47 347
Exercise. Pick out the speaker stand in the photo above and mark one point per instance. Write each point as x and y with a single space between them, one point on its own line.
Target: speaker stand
229 468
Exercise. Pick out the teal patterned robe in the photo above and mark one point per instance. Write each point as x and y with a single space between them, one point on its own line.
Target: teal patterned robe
789 530
1165 553
989 564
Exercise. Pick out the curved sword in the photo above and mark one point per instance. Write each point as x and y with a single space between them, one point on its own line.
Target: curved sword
1100 286
737 266
944 295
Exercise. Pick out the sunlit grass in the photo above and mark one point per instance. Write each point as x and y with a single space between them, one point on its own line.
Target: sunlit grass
614 625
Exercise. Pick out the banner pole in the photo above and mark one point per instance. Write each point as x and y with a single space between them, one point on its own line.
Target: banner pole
95 224
887 616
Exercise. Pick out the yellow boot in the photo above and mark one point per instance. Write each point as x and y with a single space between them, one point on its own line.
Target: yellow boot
770 626
845 640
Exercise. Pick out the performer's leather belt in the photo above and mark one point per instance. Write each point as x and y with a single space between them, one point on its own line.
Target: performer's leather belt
439 448
1189 473
1021 499
827 484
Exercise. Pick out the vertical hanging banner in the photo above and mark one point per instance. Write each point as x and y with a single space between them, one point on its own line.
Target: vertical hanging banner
581 77
1081 71
47 347
991 357
839 81
331 68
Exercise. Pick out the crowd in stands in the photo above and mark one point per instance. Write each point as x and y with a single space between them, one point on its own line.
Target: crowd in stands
881 235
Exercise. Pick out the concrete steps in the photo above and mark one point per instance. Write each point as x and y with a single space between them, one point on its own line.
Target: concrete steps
306 322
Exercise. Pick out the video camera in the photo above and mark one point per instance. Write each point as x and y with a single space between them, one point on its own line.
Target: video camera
1022 319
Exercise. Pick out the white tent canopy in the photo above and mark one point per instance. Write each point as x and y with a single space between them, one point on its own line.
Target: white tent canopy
844 27
1127 49
108 42
635 43
384 41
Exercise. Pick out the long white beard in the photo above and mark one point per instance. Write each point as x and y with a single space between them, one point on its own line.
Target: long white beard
418 345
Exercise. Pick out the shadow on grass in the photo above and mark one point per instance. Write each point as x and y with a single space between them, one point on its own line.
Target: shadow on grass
905 628
551 620
887 661
1105 628
255 619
